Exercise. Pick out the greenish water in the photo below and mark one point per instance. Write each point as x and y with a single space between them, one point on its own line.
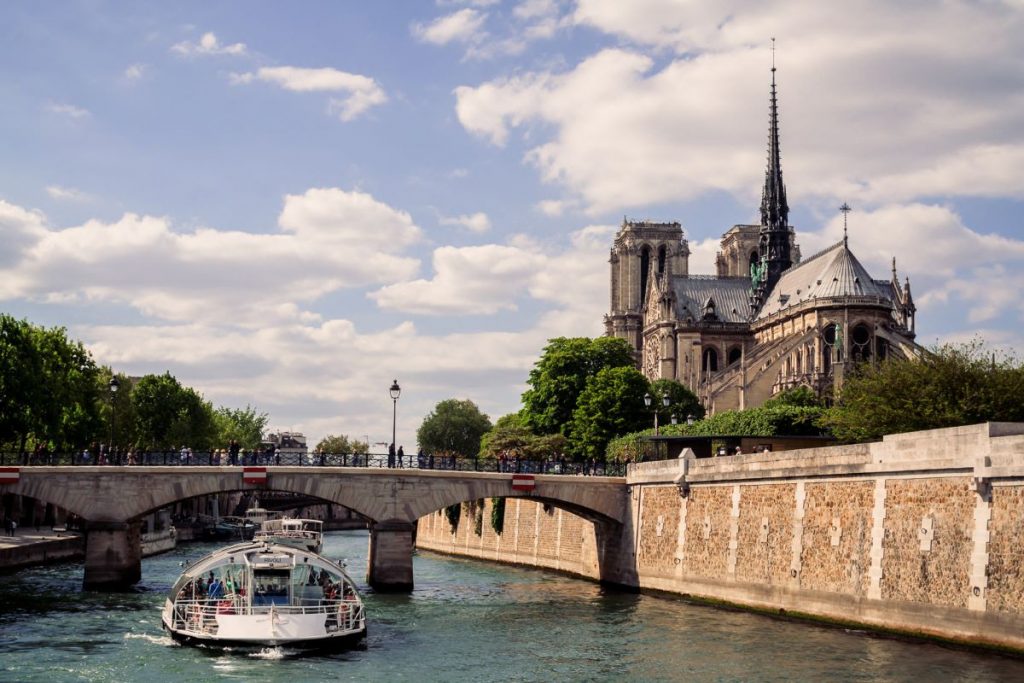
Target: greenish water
465 621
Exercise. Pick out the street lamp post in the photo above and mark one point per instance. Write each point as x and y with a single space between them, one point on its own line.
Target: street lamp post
396 391
665 401
114 386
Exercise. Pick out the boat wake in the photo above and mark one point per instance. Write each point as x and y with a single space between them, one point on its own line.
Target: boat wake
165 640
271 653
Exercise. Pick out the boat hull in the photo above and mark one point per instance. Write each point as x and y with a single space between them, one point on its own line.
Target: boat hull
332 643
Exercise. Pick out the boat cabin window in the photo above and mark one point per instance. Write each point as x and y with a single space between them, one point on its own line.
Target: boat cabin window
270 586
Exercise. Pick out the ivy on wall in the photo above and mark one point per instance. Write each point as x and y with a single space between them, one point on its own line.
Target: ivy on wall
453 513
498 515
478 517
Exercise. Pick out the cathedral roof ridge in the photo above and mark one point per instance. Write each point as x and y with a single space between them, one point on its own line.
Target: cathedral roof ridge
841 275
815 255
703 276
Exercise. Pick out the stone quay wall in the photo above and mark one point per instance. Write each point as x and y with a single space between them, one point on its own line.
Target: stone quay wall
46 551
921 533
534 535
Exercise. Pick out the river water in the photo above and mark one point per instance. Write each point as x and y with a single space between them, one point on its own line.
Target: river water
465 621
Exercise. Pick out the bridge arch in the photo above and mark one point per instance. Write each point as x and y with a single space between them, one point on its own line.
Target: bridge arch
113 499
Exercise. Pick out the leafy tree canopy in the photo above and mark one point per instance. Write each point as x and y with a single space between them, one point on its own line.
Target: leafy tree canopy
242 424
797 396
168 415
682 402
766 420
455 427
952 385
611 404
48 386
511 438
560 376
341 444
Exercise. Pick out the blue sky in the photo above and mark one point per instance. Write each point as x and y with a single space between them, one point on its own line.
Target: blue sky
291 205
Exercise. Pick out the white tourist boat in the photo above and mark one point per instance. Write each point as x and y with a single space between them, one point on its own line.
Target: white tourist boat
265 595
306 534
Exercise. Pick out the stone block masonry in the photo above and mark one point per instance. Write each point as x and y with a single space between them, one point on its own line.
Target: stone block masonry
921 533
534 535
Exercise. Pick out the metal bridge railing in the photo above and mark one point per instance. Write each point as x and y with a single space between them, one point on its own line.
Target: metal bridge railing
377 460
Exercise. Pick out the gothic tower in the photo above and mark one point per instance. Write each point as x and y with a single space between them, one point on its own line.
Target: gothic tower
774 235
642 251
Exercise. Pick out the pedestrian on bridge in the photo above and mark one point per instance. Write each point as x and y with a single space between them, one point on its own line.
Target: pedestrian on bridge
391 454
401 454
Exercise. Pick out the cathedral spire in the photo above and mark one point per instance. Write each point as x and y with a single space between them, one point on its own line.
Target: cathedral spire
773 244
774 208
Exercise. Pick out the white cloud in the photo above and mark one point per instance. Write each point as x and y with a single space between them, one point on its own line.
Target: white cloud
953 269
468 280
135 73
556 207
332 215
462 26
20 229
363 91
67 194
330 239
477 222
487 279
311 80
208 44
68 110
228 314
527 22
874 108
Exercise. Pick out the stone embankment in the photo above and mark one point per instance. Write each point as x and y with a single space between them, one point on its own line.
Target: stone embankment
29 548
922 533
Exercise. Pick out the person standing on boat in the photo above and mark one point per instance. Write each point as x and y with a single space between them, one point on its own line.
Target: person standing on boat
215 591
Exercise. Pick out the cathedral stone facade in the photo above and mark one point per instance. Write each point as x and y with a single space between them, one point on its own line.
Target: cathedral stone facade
766 321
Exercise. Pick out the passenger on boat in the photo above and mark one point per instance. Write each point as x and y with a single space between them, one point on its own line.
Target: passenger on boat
215 590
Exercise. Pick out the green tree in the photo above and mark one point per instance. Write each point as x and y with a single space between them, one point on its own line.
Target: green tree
48 390
168 414
512 438
509 436
454 427
195 423
950 386
612 404
797 396
682 402
560 376
242 424
18 368
118 413
342 444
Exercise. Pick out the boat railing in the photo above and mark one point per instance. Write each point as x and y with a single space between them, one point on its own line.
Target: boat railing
199 615
270 534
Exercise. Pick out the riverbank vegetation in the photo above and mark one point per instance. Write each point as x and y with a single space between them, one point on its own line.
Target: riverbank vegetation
54 397
586 400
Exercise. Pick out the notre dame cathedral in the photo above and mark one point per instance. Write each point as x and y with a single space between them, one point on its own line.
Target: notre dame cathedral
766 321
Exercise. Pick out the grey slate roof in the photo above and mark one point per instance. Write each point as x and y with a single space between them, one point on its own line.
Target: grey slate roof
834 272
731 296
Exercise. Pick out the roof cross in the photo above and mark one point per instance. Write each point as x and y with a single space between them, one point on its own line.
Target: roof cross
845 208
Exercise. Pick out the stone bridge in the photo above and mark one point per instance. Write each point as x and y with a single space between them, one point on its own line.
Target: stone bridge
112 500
